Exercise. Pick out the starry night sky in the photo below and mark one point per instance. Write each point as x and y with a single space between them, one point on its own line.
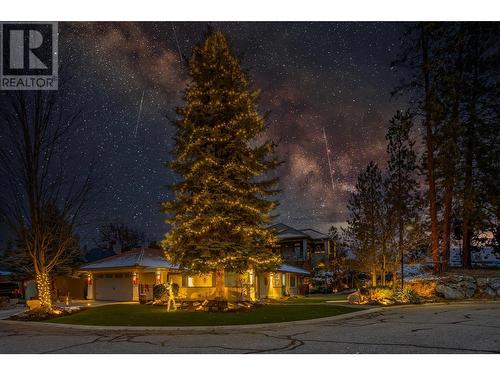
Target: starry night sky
312 75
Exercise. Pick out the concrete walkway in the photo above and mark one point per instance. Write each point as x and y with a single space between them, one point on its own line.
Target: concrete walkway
7 313
440 328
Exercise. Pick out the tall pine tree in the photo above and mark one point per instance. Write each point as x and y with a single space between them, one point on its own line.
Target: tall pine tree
402 187
365 224
223 202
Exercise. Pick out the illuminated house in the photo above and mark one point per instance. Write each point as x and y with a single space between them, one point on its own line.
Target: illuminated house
131 276
306 248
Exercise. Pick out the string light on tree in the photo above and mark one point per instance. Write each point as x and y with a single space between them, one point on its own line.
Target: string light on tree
223 203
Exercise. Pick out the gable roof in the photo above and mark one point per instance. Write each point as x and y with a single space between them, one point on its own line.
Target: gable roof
97 254
286 232
292 269
143 258
314 234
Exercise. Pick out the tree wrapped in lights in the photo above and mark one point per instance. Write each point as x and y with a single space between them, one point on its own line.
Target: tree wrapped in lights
223 203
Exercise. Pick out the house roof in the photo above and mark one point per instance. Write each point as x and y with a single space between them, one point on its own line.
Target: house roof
314 234
286 232
154 258
293 269
95 254
144 258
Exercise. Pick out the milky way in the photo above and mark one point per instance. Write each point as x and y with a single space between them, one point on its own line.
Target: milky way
335 76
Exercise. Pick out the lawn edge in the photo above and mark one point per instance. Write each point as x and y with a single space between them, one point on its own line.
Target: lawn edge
197 328
364 311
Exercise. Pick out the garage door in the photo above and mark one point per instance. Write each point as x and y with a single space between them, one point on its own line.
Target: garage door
111 288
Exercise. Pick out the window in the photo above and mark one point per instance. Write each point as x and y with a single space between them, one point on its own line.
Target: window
298 250
293 281
276 280
231 279
197 281
175 278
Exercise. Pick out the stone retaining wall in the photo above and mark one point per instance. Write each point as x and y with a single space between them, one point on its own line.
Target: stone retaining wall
460 287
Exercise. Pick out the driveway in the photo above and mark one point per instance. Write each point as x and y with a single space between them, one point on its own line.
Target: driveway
439 328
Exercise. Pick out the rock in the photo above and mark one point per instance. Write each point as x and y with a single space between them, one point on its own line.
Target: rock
468 288
448 292
354 298
495 283
489 292
482 282
33 304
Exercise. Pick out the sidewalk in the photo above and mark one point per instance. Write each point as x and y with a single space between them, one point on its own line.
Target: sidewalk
7 313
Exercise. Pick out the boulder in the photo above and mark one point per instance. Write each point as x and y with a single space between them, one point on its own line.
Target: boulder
495 283
468 288
354 298
482 282
489 292
449 292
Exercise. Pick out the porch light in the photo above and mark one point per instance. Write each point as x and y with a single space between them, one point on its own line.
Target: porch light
134 279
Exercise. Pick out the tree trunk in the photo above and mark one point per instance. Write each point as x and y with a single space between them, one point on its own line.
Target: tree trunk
401 252
384 271
44 290
219 284
468 183
430 153
466 236
448 202
374 278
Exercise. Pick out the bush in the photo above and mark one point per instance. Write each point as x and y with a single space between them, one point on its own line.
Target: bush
380 294
175 289
159 291
406 295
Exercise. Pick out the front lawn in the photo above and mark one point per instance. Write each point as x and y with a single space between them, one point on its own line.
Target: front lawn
148 315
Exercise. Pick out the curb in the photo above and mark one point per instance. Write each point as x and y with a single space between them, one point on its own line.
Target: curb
196 328
365 311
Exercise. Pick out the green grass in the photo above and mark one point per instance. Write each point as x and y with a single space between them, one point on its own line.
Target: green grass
317 298
148 315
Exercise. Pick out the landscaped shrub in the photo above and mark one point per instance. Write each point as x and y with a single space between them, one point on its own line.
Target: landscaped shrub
381 293
159 291
175 289
406 295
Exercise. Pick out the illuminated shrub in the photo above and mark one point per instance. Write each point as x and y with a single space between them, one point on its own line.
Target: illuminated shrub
406 295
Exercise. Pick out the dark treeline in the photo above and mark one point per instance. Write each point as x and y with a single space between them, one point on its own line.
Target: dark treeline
450 190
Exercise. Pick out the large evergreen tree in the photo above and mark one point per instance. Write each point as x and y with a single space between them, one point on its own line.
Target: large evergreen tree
223 203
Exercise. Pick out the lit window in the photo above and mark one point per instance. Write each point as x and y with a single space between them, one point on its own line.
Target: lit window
199 281
276 280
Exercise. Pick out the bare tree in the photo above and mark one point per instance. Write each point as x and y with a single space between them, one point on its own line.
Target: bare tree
34 164
118 235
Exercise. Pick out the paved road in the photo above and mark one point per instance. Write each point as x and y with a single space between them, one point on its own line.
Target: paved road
444 328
